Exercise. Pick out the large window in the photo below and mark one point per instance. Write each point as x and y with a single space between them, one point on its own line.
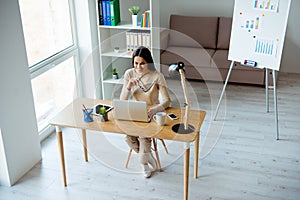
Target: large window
52 55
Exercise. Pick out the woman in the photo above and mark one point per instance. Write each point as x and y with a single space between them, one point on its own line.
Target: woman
144 83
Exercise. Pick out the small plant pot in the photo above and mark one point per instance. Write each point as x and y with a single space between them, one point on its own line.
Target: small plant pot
115 76
103 117
134 20
116 49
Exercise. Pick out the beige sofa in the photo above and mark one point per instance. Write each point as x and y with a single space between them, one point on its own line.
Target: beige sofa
202 43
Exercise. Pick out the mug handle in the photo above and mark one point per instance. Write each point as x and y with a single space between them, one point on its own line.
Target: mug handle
154 117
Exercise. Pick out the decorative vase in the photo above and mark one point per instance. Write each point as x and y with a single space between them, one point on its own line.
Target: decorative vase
134 20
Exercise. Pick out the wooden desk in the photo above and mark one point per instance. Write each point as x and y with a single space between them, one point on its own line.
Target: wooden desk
72 117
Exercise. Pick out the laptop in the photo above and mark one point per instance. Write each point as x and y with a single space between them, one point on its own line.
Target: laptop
130 110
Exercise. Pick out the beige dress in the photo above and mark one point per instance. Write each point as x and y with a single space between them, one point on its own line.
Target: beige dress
153 90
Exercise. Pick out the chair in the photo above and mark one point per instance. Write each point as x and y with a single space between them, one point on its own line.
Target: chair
155 150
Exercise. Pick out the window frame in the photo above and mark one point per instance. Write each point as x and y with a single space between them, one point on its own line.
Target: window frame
59 57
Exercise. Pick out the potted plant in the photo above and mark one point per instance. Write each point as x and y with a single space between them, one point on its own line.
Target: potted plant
117 49
115 73
134 10
103 114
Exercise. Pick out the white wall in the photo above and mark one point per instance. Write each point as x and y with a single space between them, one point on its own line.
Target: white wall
20 145
291 50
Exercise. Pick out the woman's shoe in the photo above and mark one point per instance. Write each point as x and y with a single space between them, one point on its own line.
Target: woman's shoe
146 170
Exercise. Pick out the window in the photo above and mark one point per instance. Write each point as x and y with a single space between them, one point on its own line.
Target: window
47 28
51 48
53 90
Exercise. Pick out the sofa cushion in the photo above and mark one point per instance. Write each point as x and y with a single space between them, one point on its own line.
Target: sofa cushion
220 60
196 57
224 32
199 30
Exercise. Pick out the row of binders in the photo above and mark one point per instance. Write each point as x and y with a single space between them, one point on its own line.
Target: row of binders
109 12
145 19
136 38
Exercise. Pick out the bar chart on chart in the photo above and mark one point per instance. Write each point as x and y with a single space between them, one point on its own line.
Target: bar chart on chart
265 47
251 23
267 5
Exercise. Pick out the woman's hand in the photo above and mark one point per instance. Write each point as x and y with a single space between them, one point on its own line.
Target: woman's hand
151 112
132 82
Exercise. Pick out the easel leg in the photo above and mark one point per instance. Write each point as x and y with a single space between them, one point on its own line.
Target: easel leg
224 87
267 90
275 104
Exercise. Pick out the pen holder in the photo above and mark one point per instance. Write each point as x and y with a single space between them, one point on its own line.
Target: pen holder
88 115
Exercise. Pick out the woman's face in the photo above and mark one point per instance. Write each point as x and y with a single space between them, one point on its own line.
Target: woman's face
140 65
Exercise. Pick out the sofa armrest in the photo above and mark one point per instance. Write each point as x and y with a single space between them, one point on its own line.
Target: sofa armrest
164 39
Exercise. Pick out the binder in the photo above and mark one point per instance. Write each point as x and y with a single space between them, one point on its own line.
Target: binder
128 41
100 12
104 15
107 8
114 12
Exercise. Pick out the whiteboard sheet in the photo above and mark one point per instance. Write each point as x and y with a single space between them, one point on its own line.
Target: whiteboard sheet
258 32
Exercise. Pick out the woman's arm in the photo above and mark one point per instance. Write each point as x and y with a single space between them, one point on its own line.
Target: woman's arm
125 90
165 100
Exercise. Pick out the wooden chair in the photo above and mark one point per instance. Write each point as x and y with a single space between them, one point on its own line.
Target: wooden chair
155 150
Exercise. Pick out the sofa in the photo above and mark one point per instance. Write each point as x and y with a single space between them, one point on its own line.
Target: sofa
202 43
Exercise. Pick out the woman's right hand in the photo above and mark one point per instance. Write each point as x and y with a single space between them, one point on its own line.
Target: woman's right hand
132 82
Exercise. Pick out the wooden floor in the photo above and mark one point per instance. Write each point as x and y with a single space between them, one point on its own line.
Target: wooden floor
240 157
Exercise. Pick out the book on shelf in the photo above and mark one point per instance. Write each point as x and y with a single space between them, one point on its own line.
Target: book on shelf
145 19
109 12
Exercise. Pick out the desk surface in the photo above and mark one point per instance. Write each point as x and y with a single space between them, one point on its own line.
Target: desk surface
72 116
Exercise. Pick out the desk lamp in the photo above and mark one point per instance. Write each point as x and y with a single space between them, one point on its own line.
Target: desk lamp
177 70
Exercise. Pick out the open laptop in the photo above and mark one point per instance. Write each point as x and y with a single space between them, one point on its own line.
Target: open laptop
130 110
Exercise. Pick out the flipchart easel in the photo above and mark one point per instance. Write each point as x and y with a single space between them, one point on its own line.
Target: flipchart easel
257 39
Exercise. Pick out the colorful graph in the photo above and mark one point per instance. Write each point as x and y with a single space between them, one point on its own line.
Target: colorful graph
267 5
251 24
265 47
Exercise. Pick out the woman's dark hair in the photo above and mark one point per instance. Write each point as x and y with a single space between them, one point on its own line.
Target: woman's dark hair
145 53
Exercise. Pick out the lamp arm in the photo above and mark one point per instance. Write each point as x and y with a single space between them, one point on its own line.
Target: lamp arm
187 98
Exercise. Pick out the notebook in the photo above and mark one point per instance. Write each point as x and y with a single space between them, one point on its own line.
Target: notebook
130 110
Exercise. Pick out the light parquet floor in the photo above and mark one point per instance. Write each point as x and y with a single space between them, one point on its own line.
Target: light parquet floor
240 157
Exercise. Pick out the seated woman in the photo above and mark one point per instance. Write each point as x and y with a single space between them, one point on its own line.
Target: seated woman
144 83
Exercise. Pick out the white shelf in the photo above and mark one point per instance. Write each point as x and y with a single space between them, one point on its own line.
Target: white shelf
114 81
122 53
125 25
115 36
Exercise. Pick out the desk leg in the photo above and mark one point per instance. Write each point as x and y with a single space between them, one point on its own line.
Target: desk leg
84 145
196 155
61 153
186 169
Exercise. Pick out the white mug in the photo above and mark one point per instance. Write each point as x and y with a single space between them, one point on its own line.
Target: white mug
160 118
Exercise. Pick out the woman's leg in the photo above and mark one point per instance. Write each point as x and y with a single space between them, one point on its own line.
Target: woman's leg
145 150
133 142
146 157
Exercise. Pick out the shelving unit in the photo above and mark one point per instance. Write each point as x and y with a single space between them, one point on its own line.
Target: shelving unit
115 36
